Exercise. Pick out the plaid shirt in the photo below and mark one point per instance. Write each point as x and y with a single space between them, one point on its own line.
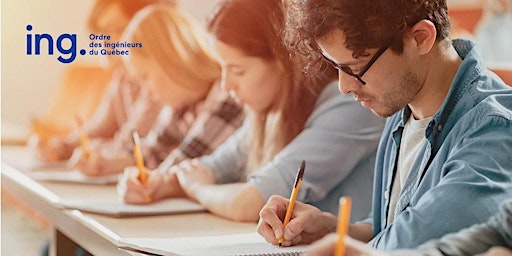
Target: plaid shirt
125 106
194 132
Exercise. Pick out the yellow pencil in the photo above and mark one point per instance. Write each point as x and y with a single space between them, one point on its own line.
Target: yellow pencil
293 197
84 139
139 161
343 223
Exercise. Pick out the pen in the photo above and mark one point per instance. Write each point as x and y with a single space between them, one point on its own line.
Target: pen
84 139
293 197
343 222
137 154
139 161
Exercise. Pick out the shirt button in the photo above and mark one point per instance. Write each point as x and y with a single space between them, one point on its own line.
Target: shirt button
386 196
439 127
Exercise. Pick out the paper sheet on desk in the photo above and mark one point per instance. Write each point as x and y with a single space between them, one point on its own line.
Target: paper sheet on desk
23 160
73 176
36 165
239 244
30 164
120 209
14 134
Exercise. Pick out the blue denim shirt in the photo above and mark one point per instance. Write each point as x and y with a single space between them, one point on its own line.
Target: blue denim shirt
464 171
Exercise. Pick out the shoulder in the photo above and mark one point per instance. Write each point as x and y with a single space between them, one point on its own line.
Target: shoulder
497 105
335 109
494 112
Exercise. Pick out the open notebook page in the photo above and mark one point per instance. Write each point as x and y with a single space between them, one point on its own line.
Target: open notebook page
73 176
117 208
239 244
21 159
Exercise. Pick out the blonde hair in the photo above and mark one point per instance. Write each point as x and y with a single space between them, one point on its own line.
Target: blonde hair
174 42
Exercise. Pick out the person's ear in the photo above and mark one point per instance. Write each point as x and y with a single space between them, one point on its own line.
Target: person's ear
423 36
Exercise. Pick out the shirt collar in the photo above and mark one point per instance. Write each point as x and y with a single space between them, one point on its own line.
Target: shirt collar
472 62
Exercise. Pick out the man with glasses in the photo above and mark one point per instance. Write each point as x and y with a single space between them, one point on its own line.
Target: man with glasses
443 161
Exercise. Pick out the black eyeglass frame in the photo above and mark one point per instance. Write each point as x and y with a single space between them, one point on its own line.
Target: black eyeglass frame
359 76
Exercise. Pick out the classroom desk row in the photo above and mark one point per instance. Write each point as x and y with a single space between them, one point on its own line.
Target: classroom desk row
98 234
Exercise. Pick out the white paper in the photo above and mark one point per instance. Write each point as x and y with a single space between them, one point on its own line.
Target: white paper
73 176
121 209
239 244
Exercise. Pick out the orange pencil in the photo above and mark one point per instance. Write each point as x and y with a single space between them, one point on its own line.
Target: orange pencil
293 197
139 160
84 139
343 223
137 154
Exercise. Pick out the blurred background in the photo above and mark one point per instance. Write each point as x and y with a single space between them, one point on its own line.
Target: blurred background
30 84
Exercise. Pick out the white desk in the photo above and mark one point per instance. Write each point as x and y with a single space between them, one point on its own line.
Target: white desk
96 233
14 134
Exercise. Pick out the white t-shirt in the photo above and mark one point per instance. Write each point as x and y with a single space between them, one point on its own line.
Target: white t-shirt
413 138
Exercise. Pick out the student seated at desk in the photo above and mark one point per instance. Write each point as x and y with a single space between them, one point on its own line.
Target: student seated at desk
178 69
491 238
294 116
443 161
125 106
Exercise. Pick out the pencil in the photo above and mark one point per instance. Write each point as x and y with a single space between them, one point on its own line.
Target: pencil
293 197
139 160
343 223
84 139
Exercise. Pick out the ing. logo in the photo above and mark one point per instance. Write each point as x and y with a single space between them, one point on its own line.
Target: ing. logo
68 54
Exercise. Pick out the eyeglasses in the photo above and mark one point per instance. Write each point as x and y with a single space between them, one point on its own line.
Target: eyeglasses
359 76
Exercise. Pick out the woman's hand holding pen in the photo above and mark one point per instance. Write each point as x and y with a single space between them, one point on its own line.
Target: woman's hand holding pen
100 162
52 149
326 245
158 186
132 191
307 223
193 175
87 163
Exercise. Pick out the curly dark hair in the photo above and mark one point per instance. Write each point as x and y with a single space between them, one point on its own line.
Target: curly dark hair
367 24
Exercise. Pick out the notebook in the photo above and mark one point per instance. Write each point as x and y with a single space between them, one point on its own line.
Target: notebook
120 209
58 171
37 165
73 176
238 244
31 164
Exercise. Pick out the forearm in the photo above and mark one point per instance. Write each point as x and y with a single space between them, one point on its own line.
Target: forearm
329 223
238 201
116 163
475 239
170 187
361 231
